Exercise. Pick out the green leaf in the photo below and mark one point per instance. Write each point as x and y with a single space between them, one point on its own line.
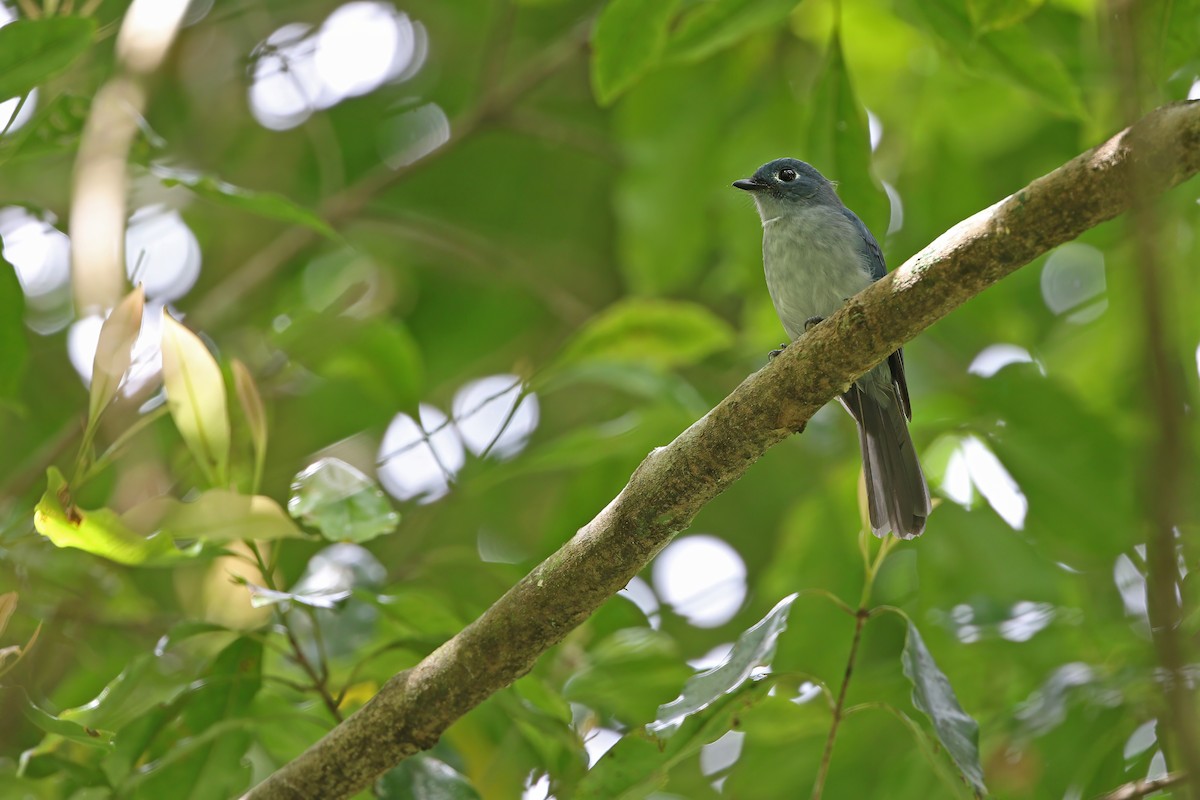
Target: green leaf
230 684
638 764
754 648
212 765
101 532
60 728
14 348
1010 54
196 397
716 24
381 358
661 333
628 40
630 674
1178 37
55 129
216 516
424 777
264 204
210 762
32 51
990 15
839 142
114 352
934 697
341 502
184 630
138 687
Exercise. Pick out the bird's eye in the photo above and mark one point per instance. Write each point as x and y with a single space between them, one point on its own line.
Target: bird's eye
787 175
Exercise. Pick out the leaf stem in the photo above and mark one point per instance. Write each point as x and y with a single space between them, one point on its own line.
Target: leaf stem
828 595
860 619
319 680
871 567
114 449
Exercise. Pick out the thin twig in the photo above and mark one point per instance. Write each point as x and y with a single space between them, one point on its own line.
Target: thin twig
495 52
830 596
319 680
1136 789
450 420
512 413
860 619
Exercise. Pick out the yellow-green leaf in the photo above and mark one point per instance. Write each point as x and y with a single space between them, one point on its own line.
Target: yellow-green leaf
100 532
216 516
114 351
196 397
661 333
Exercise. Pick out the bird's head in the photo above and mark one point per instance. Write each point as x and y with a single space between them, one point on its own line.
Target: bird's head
787 185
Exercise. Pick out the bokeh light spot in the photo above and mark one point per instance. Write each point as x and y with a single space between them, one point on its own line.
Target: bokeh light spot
973 464
703 579
1073 281
407 138
642 596
483 411
359 47
23 111
420 461
161 253
996 357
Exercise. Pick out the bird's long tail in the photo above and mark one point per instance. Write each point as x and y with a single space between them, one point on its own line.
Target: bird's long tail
897 494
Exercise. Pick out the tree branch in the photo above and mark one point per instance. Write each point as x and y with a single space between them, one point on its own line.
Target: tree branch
674 482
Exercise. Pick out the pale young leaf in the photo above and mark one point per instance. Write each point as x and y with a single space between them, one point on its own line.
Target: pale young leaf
196 397
256 417
114 351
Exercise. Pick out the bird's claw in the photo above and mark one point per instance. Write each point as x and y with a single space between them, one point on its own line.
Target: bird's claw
811 321
771 355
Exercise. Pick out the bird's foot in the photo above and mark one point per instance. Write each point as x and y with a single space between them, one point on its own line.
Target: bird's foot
771 355
811 321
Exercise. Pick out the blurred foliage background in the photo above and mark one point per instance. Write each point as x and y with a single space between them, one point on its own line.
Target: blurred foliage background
486 254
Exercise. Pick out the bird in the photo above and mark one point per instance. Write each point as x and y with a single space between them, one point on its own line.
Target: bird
816 254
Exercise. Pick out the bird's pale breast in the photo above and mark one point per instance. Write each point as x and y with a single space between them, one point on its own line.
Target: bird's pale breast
813 261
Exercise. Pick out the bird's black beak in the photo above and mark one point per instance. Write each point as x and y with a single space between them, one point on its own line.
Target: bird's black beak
748 185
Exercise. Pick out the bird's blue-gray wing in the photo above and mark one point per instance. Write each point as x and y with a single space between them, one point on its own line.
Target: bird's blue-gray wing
874 258
870 247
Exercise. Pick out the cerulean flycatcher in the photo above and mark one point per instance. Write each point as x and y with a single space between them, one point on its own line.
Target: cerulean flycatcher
816 255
